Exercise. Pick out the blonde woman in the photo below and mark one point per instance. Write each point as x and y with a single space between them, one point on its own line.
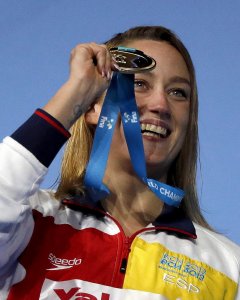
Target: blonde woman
129 244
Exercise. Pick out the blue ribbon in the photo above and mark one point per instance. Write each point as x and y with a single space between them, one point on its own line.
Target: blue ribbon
120 98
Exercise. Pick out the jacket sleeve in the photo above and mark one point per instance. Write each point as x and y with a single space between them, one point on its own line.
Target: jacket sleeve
24 159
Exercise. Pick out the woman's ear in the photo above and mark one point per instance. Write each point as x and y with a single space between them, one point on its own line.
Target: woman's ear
92 115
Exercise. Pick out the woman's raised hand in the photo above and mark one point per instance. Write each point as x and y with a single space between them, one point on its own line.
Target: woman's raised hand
91 66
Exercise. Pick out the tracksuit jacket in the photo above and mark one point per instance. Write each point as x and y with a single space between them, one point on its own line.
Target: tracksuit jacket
73 249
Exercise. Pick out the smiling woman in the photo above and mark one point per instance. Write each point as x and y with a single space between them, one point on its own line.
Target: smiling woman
131 243
182 173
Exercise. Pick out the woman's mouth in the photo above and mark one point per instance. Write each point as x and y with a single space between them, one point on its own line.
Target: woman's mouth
154 130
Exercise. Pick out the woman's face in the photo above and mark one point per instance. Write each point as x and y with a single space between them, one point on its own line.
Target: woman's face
163 100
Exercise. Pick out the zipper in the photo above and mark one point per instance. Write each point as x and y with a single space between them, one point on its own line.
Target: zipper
123 265
122 257
126 251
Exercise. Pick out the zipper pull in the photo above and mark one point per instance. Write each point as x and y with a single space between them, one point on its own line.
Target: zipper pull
123 265
126 250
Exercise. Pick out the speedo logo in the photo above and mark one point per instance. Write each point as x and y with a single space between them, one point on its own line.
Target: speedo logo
62 263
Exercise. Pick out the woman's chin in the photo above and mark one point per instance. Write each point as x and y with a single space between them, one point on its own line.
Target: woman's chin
157 170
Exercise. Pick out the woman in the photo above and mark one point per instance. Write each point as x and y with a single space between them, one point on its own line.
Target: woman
129 245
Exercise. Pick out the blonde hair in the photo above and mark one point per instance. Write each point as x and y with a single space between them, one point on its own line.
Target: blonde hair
182 173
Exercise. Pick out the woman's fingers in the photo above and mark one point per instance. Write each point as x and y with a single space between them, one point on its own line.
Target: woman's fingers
92 56
103 60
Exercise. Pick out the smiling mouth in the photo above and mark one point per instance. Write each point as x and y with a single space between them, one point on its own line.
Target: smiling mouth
154 130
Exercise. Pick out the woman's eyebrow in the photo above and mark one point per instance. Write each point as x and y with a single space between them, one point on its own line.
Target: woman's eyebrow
179 79
174 79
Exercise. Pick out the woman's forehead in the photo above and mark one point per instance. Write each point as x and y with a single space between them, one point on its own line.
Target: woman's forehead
167 57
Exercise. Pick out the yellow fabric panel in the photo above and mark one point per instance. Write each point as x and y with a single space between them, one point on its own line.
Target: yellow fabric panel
154 268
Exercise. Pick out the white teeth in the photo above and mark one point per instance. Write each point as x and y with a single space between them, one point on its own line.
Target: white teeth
148 126
154 129
149 133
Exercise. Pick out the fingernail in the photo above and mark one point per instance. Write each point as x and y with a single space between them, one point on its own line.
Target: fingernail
109 75
103 74
116 66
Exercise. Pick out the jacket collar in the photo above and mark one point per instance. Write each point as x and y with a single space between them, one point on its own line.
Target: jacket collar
171 219
175 219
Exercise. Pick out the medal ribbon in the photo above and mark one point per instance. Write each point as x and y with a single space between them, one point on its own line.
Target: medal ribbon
120 98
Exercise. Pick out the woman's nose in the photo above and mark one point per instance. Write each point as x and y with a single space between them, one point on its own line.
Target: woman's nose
157 103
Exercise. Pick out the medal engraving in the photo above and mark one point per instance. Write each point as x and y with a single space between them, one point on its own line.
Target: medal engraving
119 58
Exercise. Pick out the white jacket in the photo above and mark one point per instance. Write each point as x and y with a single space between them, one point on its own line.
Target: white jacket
77 251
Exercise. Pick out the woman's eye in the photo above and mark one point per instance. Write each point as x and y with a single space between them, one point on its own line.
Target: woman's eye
178 93
140 84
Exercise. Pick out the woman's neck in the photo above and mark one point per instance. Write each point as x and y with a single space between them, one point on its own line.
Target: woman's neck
131 202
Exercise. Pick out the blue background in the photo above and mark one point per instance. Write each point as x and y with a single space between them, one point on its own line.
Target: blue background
36 38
